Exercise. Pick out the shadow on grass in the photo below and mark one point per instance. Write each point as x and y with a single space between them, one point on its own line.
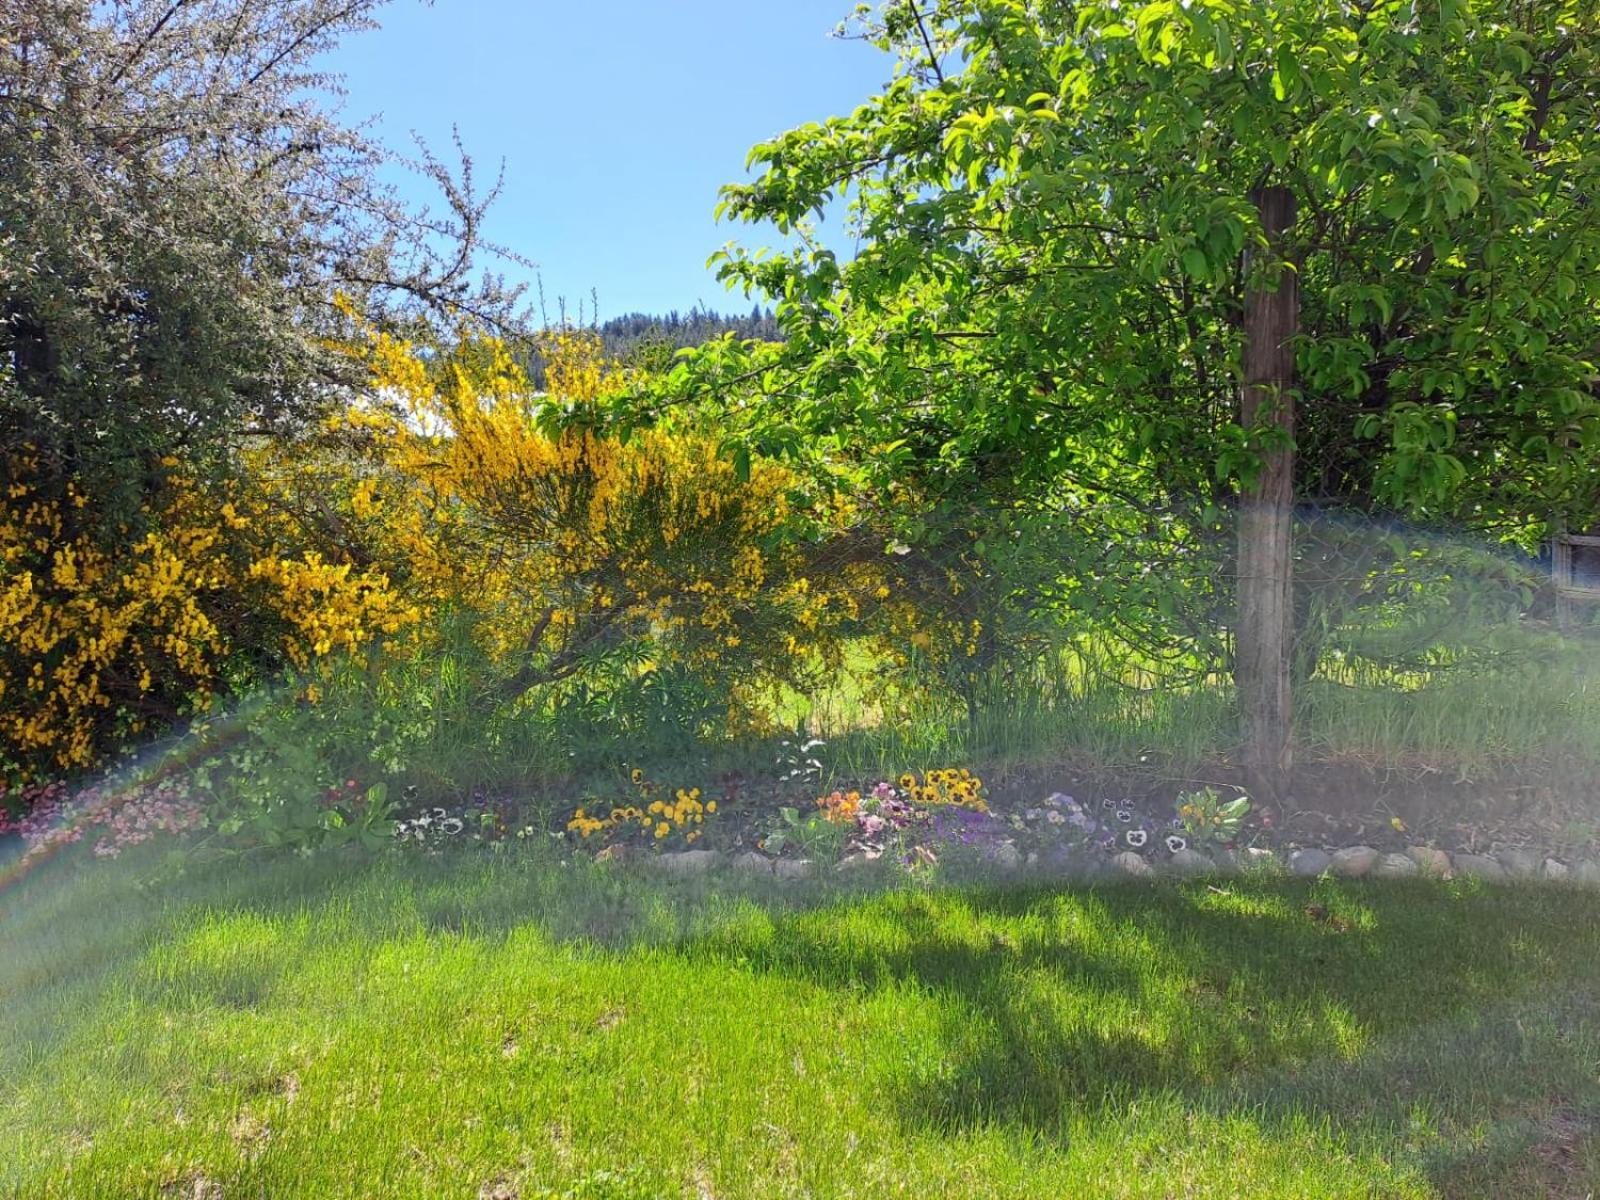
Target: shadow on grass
1450 1025
1454 1026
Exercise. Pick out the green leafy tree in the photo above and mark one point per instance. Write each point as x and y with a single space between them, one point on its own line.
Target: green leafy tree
1169 254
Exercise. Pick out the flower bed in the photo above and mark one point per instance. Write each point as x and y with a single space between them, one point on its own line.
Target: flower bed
942 818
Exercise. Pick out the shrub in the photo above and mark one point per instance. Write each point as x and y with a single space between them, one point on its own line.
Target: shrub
575 549
107 632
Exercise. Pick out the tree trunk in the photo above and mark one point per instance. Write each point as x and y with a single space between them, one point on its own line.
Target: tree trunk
1264 632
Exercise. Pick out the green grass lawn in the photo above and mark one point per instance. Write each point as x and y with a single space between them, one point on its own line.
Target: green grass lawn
530 1029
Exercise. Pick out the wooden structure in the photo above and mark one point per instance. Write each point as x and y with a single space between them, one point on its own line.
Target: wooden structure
1575 572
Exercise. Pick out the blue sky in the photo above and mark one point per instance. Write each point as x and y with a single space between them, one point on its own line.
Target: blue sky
617 120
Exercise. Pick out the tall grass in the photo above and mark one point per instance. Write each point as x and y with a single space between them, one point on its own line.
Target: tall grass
1492 701
1531 709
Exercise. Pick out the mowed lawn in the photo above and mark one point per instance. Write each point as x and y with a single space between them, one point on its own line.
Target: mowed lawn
523 1028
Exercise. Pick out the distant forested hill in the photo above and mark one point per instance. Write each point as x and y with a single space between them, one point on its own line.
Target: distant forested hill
627 335
651 339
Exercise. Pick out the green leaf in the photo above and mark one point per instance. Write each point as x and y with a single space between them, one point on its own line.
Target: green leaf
1222 37
1286 75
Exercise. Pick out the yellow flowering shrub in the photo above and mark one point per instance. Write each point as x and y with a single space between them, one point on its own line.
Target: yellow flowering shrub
329 607
570 544
105 634
453 494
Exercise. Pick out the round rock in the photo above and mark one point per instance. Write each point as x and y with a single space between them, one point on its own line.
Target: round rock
1006 856
1520 864
752 863
792 868
688 862
1394 866
1191 862
1478 866
1353 861
1309 863
1433 863
1129 863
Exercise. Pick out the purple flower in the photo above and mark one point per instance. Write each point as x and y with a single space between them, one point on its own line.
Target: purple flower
967 826
898 813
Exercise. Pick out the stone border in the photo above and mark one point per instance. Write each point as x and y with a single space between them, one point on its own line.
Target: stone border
1349 862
